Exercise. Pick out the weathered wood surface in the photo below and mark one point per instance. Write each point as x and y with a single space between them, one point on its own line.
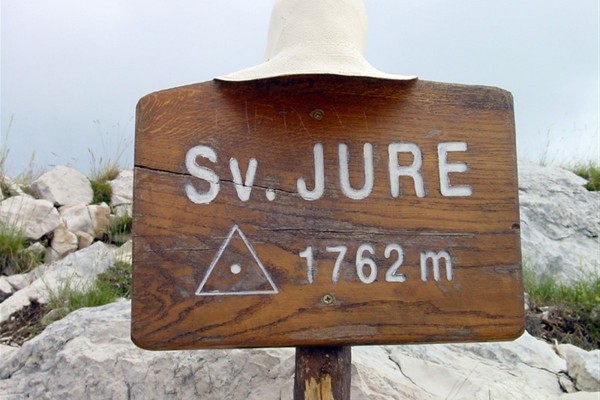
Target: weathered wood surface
278 122
323 373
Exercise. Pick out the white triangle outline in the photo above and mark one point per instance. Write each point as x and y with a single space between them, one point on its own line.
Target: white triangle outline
235 228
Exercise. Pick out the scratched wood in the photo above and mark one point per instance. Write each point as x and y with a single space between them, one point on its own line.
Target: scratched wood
234 273
323 373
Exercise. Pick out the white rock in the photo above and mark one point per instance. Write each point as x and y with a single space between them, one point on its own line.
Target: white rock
122 189
7 351
78 270
560 223
581 396
11 187
77 218
124 252
91 219
6 289
122 210
526 367
36 248
583 366
100 214
63 242
63 186
35 217
92 351
19 281
84 239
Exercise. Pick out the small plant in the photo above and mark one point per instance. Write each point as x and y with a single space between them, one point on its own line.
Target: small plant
571 313
105 169
117 279
119 229
589 171
68 298
14 256
108 287
102 191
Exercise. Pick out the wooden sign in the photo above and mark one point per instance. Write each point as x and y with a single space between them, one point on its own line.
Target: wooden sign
325 210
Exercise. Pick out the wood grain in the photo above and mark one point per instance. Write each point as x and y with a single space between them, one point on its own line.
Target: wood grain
323 373
273 121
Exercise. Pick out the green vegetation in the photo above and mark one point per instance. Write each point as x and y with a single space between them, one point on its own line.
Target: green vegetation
570 313
103 170
117 280
15 258
589 171
119 229
108 287
102 173
102 191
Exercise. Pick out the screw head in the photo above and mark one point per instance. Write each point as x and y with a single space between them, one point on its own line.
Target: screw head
328 299
317 114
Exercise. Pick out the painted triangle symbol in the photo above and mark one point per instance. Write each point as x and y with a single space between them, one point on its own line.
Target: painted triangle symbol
236 270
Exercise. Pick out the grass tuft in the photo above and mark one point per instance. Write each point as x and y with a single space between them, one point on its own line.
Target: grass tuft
100 178
105 169
589 171
117 279
15 258
119 229
102 191
107 288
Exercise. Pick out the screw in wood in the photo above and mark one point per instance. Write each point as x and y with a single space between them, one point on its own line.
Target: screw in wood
317 114
328 299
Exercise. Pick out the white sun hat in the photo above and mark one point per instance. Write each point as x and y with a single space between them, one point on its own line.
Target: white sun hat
315 37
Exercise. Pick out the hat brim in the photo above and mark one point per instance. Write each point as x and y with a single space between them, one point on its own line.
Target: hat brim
334 65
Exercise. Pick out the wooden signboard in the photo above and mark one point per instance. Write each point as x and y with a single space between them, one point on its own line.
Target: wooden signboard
325 210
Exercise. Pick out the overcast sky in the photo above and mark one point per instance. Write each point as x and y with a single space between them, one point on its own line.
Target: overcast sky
73 70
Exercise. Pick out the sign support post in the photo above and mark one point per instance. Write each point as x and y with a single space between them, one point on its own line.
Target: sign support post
323 373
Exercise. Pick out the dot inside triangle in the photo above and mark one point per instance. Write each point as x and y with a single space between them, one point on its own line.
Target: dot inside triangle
236 269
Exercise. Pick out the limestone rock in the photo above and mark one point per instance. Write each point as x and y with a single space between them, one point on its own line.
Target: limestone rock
100 214
560 223
122 189
6 289
583 366
84 239
19 281
6 351
91 219
77 218
63 242
124 252
9 188
35 217
92 351
580 396
63 186
122 210
78 270
36 248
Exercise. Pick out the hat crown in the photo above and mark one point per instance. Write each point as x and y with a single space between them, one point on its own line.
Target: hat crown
318 27
315 37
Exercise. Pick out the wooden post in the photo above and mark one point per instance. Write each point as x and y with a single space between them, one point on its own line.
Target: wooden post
323 373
